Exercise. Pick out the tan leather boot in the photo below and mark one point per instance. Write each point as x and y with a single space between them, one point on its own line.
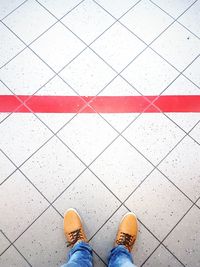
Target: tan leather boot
73 227
127 231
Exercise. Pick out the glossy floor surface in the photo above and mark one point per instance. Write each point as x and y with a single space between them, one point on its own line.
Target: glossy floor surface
101 163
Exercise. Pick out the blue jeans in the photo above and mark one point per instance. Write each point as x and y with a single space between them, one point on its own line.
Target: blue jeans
81 256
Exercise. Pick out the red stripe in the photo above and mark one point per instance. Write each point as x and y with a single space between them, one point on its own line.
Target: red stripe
101 104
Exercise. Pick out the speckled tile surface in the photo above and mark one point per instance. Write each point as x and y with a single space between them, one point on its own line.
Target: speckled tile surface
188 177
162 257
184 239
155 207
102 164
88 185
157 134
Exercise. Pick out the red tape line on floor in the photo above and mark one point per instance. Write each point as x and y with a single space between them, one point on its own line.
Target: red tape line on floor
101 104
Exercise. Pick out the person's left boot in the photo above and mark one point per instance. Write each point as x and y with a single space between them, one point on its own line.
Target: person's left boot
73 227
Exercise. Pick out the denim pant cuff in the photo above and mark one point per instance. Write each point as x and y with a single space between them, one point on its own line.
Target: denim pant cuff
116 251
80 246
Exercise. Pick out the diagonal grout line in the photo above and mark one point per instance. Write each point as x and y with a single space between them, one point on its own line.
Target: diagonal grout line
182 128
27 46
52 69
96 157
99 257
172 230
61 215
112 214
174 18
14 10
148 46
155 167
123 203
17 168
56 74
160 242
11 244
80 39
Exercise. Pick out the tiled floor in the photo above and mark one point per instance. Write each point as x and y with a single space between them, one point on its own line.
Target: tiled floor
102 164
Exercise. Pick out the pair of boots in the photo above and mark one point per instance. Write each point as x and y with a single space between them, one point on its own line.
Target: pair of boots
74 232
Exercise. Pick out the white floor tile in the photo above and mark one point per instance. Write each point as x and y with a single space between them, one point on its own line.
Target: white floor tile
186 120
119 167
91 74
120 51
88 21
27 25
193 72
174 8
195 133
146 20
25 74
162 257
52 168
166 210
21 204
116 7
154 135
23 132
62 45
6 167
184 239
56 87
12 47
82 195
181 167
12 258
55 121
190 18
8 6
87 135
60 7
178 46
4 243
149 73
182 86
43 244
144 245
119 87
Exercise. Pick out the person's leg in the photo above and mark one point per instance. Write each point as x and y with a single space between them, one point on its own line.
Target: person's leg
120 255
81 253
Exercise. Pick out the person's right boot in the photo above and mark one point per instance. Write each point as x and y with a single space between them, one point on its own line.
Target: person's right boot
127 231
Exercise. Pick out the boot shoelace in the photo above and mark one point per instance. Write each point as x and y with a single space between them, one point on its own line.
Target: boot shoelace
75 236
125 239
